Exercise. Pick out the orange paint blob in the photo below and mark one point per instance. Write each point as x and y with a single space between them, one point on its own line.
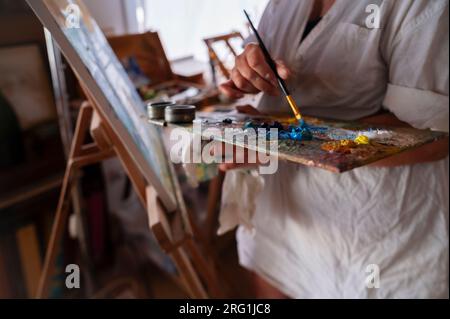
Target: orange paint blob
342 146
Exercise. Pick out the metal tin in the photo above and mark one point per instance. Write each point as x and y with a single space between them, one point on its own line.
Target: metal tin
156 110
180 113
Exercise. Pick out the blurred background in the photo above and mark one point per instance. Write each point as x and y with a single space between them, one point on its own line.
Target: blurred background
189 48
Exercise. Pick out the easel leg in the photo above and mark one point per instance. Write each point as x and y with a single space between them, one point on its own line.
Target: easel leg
205 267
59 224
58 228
180 252
188 274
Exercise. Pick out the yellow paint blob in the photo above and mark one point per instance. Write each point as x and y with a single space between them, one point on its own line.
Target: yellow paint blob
362 140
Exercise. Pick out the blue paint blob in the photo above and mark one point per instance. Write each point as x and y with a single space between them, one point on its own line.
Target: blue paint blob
250 125
300 132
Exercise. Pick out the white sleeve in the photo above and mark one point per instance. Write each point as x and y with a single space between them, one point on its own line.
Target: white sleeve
263 23
418 86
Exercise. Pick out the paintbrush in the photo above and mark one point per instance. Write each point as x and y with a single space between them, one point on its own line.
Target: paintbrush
273 66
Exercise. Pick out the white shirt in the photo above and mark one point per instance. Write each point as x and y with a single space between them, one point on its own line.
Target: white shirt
316 232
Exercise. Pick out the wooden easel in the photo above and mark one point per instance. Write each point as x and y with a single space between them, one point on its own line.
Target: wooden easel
196 273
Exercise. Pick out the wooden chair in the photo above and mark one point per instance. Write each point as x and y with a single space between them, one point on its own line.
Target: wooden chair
213 53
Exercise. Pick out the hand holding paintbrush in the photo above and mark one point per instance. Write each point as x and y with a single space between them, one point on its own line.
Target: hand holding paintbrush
256 71
251 74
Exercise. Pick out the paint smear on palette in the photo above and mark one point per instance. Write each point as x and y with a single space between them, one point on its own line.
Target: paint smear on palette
336 140
342 146
377 134
300 132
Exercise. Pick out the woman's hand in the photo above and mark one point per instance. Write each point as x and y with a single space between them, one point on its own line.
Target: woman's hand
251 74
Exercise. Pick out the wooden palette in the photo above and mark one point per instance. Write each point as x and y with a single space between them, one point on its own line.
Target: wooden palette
385 141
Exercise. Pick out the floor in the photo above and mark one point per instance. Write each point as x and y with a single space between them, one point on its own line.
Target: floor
150 281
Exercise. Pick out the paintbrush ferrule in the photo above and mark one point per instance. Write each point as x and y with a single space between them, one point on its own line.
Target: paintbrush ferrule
294 107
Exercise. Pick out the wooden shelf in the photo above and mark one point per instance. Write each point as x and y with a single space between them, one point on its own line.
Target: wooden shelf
30 191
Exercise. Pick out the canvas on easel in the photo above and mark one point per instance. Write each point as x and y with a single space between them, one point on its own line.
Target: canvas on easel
117 120
95 64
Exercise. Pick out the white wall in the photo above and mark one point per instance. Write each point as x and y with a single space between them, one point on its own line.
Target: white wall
182 24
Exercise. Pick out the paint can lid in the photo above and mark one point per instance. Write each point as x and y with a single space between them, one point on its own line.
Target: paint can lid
156 109
180 113
180 109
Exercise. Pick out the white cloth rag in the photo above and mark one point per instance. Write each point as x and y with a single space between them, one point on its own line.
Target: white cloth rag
238 202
